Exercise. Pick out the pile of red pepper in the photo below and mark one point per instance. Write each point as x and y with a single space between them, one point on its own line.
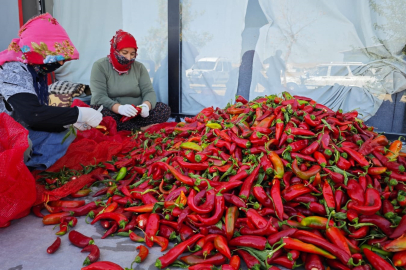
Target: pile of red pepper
274 181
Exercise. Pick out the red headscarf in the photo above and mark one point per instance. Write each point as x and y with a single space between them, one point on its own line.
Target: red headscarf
120 41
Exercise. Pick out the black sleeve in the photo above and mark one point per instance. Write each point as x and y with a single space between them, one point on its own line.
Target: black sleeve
42 117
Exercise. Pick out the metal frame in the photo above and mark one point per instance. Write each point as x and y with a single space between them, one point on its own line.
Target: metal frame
174 58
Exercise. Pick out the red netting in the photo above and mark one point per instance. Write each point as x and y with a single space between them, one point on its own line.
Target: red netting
17 185
89 148
67 189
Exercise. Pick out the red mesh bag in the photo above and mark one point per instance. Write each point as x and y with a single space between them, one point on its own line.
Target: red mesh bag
85 152
17 185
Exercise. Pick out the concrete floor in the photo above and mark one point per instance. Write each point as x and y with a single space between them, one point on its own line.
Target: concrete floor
24 244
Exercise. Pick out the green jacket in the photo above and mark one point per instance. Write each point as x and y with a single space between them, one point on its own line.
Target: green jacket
109 88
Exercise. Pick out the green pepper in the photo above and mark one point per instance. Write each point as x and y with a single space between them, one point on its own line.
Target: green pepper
191 146
121 174
214 126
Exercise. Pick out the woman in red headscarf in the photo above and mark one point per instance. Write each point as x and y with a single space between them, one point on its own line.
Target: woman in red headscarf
120 84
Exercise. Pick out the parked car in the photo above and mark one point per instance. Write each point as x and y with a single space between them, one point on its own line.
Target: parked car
336 73
209 70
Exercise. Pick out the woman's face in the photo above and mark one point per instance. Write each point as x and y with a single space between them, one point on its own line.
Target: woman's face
128 53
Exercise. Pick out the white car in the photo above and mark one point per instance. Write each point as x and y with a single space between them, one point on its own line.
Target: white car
209 70
336 73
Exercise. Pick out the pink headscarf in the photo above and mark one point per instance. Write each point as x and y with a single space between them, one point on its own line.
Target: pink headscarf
42 41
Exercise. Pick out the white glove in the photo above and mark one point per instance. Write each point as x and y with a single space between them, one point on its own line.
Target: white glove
82 126
88 117
127 110
145 110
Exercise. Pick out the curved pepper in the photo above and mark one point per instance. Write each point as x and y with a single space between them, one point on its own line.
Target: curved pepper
295 244
307 174
374 203
218 214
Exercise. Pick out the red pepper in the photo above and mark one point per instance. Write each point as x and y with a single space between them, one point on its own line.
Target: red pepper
230 220
235 262
277 199
250 260
359 233
357 156
136 238
264 231
80 240
256 218
207 207
171 256
243 143
103 265
217 259
343 164
63 228
279 129
83 210
235 200
355 192
277 164
372 199
336 177
247 185
328 196
126 118
400 229
161 241
381 222
327 246
377 262
227 186
151 229
220 243
254 241
93 256
316 222
119 218
313 262
297 146
180 177
218 214
336 237
53 219
55 246
295 191
399 259
142 254
36 210
320 158
306 174
302 156
295 244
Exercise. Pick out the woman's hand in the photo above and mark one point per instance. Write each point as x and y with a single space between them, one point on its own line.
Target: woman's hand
145 110
127 110
88 118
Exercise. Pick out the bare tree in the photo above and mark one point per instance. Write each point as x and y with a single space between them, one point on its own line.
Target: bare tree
392 26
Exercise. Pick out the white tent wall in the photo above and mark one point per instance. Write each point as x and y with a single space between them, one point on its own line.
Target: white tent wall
211 52
9 21
90 24
344 54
